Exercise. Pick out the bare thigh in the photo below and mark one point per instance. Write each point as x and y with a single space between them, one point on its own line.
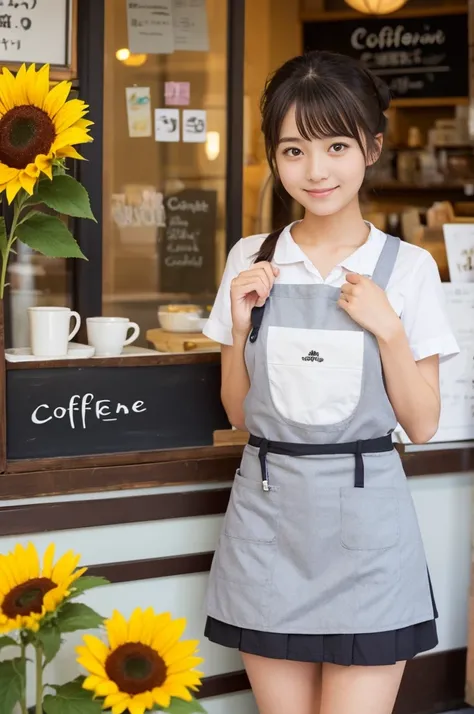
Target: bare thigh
352 690
281 686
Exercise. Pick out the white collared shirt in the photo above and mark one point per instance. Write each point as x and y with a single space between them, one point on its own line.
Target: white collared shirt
414 290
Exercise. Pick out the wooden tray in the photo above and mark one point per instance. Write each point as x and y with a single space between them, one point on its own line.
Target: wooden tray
164 341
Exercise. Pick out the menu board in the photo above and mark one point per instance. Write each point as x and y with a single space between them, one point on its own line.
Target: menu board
35 31
417 56
457 375
187 251
66 411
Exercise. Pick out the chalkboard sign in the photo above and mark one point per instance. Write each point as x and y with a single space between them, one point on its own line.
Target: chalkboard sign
417 56
187 251
97 410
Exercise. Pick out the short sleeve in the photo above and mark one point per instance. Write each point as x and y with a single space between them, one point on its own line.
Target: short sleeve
219 324
424 314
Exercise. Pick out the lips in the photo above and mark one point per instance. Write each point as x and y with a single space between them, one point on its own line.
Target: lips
321 192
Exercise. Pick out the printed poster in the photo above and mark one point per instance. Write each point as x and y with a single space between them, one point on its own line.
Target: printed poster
138 111
459 241
194 125
150 26
167 124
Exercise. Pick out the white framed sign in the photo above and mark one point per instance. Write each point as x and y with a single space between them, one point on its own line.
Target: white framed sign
39 31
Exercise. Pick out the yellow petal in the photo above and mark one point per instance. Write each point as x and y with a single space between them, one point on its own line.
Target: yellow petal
136 707
69 152
115 699
56 98
45 164
106 687
117 630
7 89
38 90
27 182
83 123
19 552
135 626
161 697
121 707
12 190
7 173
69 114
148 622
97 648
181 651
32 553
169 636
188 679
65 566
92 665
48 561
184 665
90 683
20 86
180 691
70 137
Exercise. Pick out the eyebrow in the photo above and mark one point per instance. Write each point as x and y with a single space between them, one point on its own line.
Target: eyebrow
290 140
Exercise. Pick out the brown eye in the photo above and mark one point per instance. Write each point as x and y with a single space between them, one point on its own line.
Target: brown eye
339 148
292 151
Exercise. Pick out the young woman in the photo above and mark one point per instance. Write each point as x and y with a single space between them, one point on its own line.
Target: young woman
331 333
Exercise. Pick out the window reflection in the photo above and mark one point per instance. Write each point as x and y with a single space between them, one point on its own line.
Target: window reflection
164 201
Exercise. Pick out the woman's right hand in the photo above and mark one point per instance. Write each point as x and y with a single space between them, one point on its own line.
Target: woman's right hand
250 289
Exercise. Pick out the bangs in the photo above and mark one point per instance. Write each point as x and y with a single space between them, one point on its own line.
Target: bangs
322 111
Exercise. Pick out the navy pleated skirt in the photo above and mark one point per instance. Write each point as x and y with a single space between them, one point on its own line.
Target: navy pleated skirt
370 649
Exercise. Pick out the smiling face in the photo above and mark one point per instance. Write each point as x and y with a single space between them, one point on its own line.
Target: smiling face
323 174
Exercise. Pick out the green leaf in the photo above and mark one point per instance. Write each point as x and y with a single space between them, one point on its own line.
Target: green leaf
179 706
65 195
77 616
8 642
87 582
71 698
50 638
3 236
48 235
12 681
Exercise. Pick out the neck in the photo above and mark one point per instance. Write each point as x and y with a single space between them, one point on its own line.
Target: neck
347 227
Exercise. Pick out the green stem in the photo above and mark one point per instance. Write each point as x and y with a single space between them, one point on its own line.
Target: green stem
39 679
17 207
23 706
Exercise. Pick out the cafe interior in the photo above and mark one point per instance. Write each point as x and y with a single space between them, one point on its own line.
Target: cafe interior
141 495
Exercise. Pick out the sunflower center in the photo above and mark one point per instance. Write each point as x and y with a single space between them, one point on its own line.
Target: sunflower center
27 598
136 668
25 132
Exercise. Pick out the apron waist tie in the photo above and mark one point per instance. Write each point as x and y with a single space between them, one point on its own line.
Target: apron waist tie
357 448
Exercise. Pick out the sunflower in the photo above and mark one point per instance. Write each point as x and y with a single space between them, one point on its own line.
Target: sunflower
28 593
37 126
144 663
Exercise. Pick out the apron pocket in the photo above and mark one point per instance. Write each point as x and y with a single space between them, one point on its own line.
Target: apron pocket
369 518
315 376
252 514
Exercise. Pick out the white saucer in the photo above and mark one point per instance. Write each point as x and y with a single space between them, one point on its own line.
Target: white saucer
23 354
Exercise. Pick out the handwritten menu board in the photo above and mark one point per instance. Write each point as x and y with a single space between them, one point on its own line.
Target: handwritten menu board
187 251
417 56
35 31
96 410
457 375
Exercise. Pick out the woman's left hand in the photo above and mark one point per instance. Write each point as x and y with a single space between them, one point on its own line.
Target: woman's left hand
368 305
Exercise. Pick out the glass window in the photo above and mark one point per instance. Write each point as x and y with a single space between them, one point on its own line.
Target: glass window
165 174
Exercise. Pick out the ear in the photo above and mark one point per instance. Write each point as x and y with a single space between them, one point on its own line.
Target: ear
375 154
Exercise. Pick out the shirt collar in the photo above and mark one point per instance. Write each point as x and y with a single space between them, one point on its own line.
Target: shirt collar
362 261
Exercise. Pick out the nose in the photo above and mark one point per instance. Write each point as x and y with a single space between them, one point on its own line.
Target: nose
317 167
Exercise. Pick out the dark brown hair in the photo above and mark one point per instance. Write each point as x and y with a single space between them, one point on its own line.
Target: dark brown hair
333 95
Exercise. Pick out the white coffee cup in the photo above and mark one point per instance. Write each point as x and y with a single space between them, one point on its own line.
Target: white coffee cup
108 335
50 330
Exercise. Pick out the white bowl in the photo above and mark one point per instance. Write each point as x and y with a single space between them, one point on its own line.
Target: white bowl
180 321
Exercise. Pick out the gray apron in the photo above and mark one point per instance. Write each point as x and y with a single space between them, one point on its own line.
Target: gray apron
320 535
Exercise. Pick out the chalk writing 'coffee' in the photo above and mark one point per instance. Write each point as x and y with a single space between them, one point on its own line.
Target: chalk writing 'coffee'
394 37
81 410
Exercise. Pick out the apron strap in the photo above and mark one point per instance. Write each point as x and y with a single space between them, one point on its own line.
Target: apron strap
386 262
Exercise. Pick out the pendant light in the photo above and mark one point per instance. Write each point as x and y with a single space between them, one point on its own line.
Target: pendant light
376 7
